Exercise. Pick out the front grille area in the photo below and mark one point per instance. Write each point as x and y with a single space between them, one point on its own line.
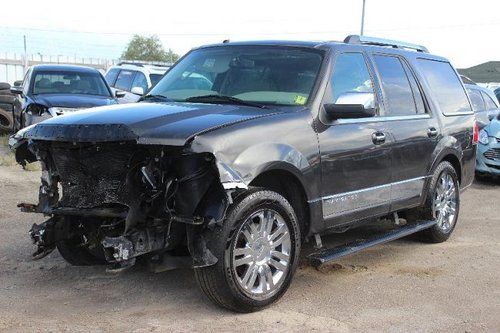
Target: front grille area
492 154
93 176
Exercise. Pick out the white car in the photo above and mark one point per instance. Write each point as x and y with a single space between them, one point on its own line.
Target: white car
134 79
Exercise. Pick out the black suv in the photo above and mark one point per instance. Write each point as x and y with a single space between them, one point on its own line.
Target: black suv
291 140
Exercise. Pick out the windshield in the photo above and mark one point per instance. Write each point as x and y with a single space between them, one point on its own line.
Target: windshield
261 74
70 82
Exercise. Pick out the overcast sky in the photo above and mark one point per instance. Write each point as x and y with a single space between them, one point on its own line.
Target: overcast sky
464 31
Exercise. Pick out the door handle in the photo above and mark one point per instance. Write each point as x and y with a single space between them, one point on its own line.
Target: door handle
432 132
378 138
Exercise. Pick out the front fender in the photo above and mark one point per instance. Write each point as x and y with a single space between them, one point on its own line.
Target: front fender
237 170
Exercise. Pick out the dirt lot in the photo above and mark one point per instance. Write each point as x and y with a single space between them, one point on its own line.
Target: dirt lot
401 286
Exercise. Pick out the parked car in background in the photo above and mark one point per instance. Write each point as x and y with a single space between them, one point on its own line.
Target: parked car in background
497 94
484 103
135 79
488 149
52 90
6 105
289 141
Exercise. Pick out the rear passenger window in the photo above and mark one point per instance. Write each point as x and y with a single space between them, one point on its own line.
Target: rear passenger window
398 95
445 85
490 105
124 80
476 100
351 82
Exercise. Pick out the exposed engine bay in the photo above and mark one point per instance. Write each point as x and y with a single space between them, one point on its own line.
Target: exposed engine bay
117 201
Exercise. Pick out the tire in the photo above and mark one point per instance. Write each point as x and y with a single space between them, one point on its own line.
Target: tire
5 92
6 121
4 86
450 203
9 99
245 253
72 249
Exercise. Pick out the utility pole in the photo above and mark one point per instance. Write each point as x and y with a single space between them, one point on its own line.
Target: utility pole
363 18
25 55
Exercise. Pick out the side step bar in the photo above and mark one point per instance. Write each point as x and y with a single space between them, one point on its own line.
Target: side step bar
324 256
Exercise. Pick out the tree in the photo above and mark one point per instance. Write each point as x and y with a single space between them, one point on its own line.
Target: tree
148 49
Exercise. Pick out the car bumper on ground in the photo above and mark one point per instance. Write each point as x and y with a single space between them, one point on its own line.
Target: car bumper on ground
488 158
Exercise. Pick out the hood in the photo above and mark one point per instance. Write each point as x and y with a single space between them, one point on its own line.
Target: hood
73 100
147 123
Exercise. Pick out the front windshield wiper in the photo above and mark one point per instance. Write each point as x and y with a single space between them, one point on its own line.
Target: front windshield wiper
160 97
223 99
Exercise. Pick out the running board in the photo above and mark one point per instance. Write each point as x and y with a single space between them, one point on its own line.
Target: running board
324 256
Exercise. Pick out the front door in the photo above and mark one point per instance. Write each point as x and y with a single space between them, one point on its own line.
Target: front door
355 153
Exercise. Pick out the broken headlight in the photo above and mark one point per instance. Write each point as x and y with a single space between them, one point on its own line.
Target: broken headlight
36 109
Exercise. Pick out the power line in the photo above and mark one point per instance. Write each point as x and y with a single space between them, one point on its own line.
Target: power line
250 33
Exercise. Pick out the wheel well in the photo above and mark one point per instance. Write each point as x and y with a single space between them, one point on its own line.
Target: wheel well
289 186
454 161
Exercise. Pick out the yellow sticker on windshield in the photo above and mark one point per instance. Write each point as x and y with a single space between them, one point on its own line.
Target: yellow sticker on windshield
301 100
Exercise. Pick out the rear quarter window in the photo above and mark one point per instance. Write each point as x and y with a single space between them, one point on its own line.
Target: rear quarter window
445 85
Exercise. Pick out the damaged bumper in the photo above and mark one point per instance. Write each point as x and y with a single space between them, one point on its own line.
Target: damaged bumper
156 198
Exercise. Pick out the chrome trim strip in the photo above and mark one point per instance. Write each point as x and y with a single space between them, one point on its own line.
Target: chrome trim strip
341 203
382 119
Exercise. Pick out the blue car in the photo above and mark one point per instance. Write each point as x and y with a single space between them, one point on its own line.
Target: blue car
488 149
49 91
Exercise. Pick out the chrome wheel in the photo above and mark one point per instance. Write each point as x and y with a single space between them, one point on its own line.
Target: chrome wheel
261 254
445 202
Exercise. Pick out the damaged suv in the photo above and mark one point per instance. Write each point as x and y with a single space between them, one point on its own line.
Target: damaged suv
243 151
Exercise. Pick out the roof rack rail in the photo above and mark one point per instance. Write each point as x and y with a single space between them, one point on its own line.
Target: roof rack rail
356 39
144 63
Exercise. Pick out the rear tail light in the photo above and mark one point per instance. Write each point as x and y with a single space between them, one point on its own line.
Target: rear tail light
475 133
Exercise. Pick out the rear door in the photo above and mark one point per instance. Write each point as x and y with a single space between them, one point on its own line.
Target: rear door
355 153
414 130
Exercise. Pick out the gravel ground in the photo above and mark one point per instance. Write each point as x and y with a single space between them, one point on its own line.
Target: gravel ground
400 286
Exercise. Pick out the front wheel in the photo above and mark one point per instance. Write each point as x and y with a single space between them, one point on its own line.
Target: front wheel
257 250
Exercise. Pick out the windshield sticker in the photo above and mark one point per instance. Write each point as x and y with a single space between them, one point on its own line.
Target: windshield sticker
300 100
209 63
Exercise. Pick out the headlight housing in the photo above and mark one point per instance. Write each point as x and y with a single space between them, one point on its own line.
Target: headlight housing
483 137
36 109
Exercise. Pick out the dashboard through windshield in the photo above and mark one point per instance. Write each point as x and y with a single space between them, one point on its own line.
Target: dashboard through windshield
260 74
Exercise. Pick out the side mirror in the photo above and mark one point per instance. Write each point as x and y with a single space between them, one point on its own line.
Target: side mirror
119 94
17 90
137 90
348 111
18 83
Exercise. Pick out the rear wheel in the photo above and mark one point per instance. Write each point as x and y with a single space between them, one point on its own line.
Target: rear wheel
257 252
442 204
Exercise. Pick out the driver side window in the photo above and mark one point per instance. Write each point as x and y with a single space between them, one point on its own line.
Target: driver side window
351 82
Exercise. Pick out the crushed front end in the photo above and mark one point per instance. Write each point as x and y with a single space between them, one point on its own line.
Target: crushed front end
112 202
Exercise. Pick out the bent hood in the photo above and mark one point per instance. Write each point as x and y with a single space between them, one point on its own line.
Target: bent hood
147 123
73 100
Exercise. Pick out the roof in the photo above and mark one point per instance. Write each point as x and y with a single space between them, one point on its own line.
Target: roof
66 68
331 44
485 72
